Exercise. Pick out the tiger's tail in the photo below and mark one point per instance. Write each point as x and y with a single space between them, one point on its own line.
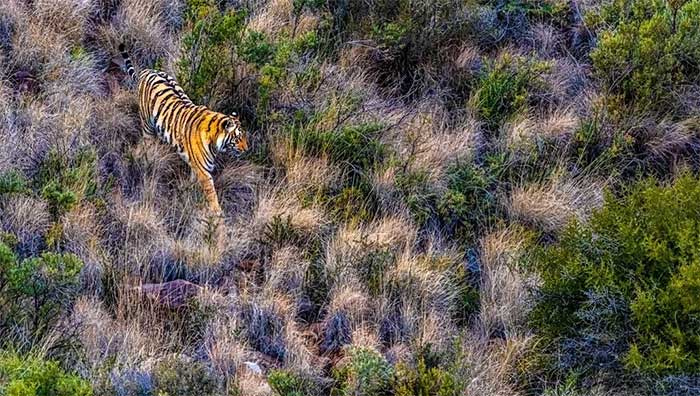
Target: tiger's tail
127 61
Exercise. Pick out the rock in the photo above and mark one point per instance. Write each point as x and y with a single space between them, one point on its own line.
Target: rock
253 367
172 295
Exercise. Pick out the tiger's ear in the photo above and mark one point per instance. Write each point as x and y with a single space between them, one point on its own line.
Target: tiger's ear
234 114
226 124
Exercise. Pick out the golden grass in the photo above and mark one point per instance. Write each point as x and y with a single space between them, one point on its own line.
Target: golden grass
551 205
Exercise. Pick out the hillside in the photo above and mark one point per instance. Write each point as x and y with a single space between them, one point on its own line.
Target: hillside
448 197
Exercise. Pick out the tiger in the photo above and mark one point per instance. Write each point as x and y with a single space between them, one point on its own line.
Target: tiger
196 132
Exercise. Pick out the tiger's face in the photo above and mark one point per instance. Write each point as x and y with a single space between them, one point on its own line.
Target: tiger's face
234 137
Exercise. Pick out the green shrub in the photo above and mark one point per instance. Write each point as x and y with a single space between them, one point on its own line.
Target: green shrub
504 89
35 292
357 147
271 59
468 202
209 48
287 383
631 277
12 183
419 196
425 381
357 150
30 376
178 377
280 231
257 49
460 210
64 182
373 267
367 373
553 11
409 38
353 204
646 49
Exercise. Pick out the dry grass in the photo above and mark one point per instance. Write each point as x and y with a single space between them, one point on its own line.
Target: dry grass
28 219
550 205
504 290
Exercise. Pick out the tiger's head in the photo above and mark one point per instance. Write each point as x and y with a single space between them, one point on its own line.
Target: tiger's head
232 136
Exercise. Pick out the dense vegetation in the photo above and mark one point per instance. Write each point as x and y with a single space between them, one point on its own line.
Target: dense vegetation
442 198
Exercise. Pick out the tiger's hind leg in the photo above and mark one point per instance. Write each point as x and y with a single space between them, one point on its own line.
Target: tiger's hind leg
149 139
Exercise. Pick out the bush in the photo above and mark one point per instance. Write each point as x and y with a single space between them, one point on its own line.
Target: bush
425 381
287 383
367 373
357 150
504 89
29 376
36 291
646 49
357 147
209 45
461 209
12 183
634 258
418 195
468 203
271 58
410 39
64 182
178 377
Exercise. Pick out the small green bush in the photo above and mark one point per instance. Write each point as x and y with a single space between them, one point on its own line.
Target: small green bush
373 266
280 231
504 89
12 183
468 202
30 376
356 147
177 377
367 373
271 59
287 383
34 292
419 196
409 39
639 255
460 210
553 11
64 182
209 47
257 49
357 150
353 203
646 49
425 381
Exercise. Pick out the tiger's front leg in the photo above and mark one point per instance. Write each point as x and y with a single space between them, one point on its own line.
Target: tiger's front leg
207 183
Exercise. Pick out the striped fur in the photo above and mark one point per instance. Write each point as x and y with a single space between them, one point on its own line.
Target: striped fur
196 132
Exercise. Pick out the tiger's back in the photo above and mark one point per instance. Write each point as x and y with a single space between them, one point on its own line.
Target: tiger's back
197 133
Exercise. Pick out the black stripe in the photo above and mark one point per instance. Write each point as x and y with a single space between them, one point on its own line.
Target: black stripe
186 132
180 113
213 118
162 92
191 130
162 103
171 113
166 111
